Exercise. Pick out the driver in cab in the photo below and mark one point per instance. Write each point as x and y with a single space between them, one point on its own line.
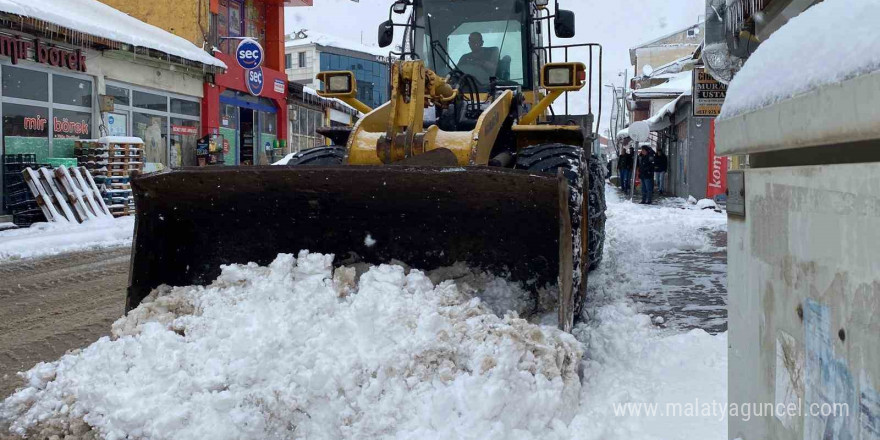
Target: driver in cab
481 62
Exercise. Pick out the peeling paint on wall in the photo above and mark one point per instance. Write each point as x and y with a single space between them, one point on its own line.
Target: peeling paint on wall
828 381
869 410
789 377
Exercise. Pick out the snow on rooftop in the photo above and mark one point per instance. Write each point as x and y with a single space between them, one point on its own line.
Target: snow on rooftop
97 19
323 39
314 92
829 43
677 84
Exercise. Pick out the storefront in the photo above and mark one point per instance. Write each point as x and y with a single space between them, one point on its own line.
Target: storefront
308 112
56 89
247 104
250 119
168 123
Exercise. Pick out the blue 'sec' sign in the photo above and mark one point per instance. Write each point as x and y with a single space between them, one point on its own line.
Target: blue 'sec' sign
254 81
249 54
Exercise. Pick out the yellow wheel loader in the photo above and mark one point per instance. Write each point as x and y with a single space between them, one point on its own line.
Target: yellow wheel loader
465 163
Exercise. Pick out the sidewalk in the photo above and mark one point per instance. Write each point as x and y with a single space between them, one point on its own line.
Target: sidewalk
690 288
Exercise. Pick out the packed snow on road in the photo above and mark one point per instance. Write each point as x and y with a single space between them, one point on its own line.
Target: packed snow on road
298 349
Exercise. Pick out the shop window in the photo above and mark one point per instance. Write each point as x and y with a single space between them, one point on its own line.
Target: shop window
184 135
120 95
154 131
68 126
25 83
236 18
150 101
71 91
184 107
26 129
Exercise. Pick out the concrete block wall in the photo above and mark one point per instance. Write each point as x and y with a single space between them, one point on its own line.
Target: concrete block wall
804 302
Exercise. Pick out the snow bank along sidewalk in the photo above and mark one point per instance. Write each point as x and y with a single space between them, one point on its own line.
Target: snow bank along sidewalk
296 350
53 238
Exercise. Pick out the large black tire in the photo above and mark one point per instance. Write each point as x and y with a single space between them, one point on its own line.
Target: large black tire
573 162
597 211
319 156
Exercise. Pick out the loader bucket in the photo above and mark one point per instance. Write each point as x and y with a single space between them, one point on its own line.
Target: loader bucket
192 220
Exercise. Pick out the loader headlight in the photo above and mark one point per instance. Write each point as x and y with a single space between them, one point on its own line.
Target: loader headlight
337 84
563 76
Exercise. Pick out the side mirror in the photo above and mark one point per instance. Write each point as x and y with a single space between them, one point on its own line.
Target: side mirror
564 23
386 33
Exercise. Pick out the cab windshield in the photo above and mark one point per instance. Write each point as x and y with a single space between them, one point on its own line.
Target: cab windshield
482 38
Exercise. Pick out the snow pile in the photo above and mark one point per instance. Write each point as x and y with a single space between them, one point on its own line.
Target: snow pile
95 18
630 361
706 204
294 350
54 238
829 43
314 37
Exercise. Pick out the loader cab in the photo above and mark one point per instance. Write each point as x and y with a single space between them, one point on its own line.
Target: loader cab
481 38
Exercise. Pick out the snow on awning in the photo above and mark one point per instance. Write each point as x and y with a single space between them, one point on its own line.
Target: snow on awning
310 91
659 121
97 19
679 83
827 44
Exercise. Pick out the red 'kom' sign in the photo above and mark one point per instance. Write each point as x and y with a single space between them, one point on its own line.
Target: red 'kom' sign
716 181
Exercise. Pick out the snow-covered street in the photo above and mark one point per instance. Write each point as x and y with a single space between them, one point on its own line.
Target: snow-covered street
298 350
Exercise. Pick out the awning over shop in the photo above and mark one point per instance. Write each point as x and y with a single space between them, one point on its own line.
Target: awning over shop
677 84
95 19
660 121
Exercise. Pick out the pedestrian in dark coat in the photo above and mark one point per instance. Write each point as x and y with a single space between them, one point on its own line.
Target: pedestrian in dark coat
661 165
646 173
624 169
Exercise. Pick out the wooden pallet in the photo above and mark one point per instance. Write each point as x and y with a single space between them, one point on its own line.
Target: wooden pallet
66 194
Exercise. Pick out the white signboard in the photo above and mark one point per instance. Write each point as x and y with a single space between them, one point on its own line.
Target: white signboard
117 124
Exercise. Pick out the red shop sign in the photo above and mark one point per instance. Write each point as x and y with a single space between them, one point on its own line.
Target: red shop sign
17 48
184 130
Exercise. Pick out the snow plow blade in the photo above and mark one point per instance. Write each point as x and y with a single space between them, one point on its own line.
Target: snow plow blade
192 220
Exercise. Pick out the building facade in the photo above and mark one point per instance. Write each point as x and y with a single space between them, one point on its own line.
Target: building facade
309 113
251 124
308 52
54 76
662 95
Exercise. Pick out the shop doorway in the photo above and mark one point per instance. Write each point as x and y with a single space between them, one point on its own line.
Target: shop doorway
246 136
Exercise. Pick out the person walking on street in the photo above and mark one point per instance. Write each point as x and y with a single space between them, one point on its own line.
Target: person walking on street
624 169
646 173
661 165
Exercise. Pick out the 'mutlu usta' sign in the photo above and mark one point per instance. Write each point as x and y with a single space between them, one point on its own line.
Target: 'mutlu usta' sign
17 48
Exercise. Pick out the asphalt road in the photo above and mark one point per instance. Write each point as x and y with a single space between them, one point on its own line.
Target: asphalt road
54 304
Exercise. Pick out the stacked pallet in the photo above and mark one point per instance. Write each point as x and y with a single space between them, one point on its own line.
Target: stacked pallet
125 155
19 200
66 195
111 160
